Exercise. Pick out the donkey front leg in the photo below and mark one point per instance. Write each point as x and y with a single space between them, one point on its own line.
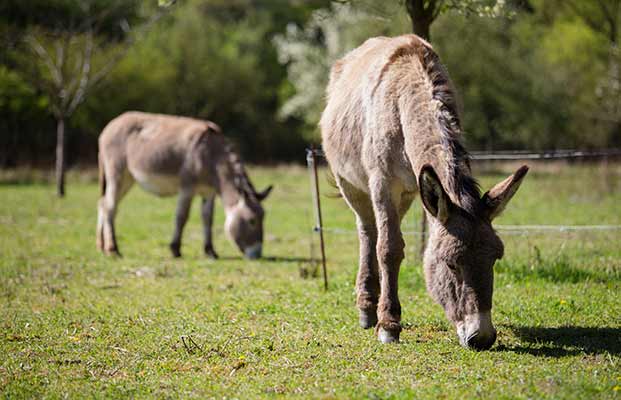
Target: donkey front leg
367 280
207 215
390 253
183 211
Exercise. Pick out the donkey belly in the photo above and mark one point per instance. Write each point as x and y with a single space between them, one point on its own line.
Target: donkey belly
157 184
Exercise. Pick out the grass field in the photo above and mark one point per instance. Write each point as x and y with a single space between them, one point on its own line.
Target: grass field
76 324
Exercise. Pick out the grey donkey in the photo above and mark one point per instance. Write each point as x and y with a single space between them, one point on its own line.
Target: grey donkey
390 129
167 155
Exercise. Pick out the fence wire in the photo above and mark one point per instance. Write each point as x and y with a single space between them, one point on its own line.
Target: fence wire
503 229
516 155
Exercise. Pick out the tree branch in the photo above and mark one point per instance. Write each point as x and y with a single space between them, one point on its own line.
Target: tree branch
587 20
97 77
47 59
80 93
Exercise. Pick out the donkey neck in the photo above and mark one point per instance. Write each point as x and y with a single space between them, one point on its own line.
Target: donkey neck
226 187
233 182
227 190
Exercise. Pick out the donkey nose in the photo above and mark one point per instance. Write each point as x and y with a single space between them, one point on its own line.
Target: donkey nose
253 252
480 341
477 331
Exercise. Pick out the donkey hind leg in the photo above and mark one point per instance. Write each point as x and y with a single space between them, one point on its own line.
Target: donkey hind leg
367 280
390 246
100 224
183 211
117 185
207 216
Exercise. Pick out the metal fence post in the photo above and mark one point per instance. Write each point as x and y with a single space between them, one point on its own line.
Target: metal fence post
312 162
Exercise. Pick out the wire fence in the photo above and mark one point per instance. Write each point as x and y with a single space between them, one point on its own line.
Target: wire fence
503 230
545 155
517 155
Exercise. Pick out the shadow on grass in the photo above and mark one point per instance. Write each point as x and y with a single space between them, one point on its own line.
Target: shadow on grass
269 259
566 341
229 258
287 259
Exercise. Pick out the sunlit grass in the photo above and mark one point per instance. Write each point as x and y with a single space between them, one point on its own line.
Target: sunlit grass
78 324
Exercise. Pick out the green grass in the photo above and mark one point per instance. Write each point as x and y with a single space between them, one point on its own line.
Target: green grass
76 324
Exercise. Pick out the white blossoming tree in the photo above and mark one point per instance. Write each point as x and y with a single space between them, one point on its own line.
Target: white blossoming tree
309 52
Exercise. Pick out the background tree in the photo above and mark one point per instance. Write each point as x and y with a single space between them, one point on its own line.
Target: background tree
309 52
74 46
214 60
330 33
603 18
423 12
540 74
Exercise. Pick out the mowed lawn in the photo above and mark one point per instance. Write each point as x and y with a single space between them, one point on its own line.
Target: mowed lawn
75 324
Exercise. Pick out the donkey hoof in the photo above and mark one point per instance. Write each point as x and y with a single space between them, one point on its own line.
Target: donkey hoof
211 253
175 249
385 336
367 319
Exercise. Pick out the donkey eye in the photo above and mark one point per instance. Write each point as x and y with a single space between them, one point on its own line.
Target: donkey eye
452 267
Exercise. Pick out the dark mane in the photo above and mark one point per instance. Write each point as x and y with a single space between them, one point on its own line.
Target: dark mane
240 177
459 177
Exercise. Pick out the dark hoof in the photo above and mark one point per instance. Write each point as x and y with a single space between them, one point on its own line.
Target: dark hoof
367 319
386 336
175 249
211 253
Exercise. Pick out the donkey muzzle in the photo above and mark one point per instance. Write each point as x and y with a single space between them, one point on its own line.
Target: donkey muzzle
253 251
476 331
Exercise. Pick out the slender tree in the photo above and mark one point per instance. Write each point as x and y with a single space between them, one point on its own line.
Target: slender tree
76 53
423 12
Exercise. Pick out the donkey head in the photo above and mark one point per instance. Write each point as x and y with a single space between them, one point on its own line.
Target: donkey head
461 253
244 223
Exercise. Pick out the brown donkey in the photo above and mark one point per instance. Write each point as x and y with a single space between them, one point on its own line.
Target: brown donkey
168 155
391 128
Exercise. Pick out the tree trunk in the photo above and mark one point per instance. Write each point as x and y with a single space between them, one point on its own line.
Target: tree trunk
60 156
421 16
421 28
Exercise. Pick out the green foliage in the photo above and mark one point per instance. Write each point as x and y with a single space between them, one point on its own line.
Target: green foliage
506 104
309 53
16 95
532 74
528 79
481 8
56 16
75 324
210 60
22 119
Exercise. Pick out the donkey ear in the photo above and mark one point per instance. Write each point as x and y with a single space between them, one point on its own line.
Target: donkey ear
496 199
434 198
262 195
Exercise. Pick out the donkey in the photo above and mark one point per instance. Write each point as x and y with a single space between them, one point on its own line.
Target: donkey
391 128
168 155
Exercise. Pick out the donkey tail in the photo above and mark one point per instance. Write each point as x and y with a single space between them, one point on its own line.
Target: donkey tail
102 175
